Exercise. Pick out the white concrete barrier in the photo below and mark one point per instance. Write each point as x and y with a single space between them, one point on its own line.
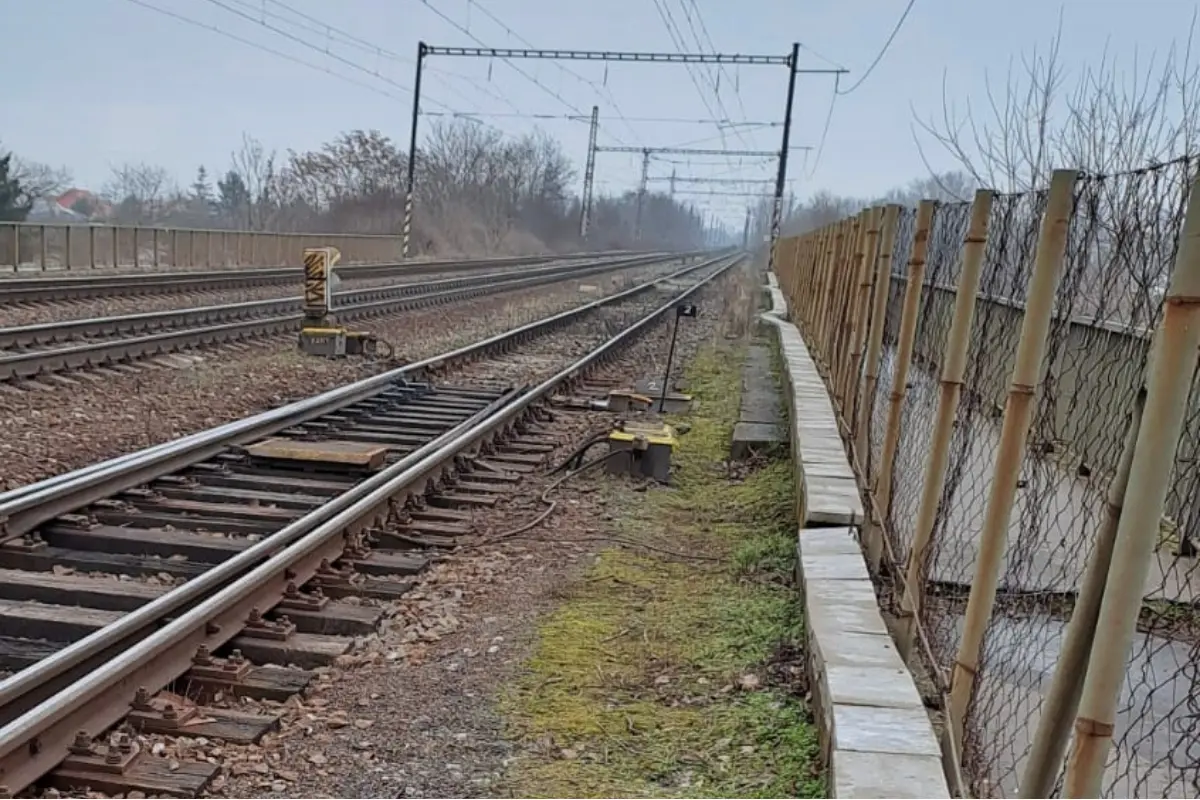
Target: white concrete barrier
876 736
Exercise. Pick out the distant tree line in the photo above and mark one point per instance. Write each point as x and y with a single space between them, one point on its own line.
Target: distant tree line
477 191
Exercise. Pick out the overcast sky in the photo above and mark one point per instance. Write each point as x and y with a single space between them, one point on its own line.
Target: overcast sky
94 83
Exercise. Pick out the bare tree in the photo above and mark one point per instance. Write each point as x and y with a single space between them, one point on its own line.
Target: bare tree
1111 119
256 169
141 192
38 181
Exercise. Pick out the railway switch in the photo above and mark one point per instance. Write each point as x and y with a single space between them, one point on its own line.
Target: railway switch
320 335
642 449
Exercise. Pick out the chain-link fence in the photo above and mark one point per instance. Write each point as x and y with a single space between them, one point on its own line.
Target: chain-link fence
1122 242
934 312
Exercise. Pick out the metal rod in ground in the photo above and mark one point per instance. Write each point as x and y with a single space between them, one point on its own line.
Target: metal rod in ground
662 398
954 365
1018 412
1062 700
1173 365
904 349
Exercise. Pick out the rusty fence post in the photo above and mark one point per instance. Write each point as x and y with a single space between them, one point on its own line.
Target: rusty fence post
845 310
872 530
954 366
815 280
833 258
1018 413
834 320
904 348
1173 365
862 317
800 278
882 277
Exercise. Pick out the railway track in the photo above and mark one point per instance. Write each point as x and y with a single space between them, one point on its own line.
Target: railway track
29 351
33 290
198 563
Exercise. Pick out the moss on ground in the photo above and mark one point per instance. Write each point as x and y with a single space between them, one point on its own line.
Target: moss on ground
660 676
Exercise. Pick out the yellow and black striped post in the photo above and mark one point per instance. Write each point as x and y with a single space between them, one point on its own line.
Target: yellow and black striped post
318 296
406 234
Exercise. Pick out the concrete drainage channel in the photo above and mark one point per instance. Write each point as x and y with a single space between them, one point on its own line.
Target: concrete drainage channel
35 350
251 533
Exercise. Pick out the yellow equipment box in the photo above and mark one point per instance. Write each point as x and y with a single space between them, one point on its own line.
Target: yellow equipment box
645 449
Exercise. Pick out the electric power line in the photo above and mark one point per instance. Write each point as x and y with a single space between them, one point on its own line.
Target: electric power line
266 49
532 79
601 90
676 34
355 41
884 49
825 130
827 60
672 30
294 38
324 28
737 91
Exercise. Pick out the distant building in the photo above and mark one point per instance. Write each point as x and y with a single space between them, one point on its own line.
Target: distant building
81 201
73 205
47 210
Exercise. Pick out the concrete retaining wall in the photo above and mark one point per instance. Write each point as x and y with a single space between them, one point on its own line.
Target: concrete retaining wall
875 734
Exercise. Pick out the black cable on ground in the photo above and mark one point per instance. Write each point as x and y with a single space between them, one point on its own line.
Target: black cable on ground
553 504
575 459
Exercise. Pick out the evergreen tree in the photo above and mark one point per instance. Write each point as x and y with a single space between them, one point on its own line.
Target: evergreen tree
14 204
233 198
201 190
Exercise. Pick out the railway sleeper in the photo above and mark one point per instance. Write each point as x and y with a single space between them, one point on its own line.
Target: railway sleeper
119 764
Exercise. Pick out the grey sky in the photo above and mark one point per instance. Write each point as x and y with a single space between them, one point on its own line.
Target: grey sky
93 83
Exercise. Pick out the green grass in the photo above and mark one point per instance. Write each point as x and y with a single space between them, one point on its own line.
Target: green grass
655 676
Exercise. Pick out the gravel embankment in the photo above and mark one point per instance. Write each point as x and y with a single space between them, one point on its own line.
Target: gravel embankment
50 432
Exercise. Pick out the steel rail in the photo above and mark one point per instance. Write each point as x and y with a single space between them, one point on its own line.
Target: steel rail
16 688
23 509
33 743
283 416
65 330
14 290
105 351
